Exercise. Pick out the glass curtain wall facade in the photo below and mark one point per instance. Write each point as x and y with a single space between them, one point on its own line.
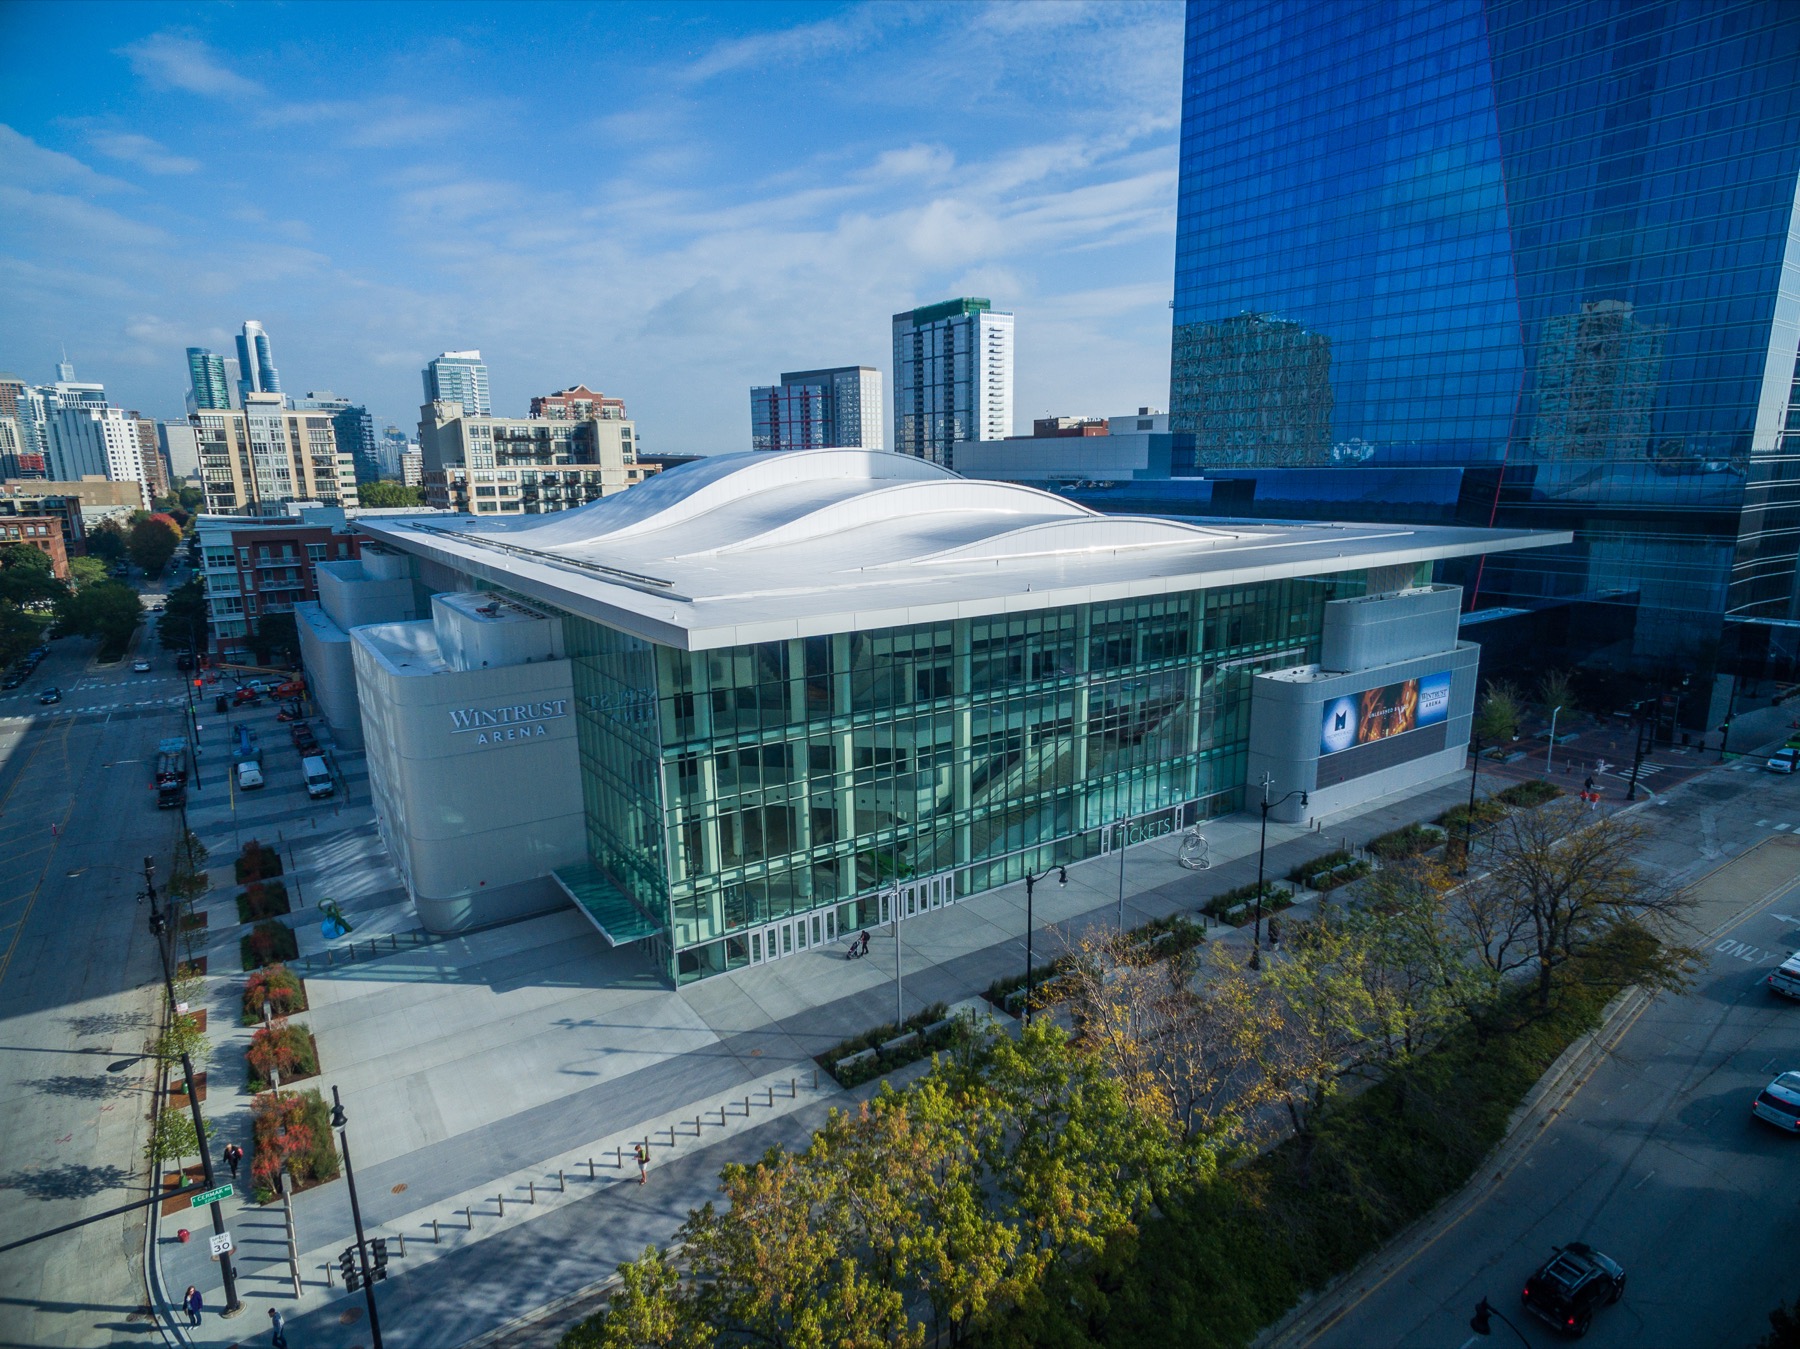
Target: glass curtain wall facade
731 793
1543 240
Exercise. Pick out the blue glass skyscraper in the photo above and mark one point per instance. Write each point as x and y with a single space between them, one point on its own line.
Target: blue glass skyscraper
1551 242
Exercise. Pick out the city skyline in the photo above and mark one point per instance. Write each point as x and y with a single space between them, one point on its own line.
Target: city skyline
687 248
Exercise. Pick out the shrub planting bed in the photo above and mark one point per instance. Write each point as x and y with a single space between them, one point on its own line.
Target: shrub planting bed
267 943
1528 794
256 863
1411 841
262 899
287 1050
874 1051
290 1133
1486 813
277 985
1238 906
1330 871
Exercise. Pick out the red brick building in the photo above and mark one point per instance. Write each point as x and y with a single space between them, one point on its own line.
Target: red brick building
43 532
579 404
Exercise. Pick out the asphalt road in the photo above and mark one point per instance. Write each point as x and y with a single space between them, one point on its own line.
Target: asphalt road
78 990
1656 1159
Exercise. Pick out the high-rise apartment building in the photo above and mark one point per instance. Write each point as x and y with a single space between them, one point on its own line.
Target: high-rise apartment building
100 441
818 409
179 443
258 459
458 377
156 472
212 381
256 361
1537 245
521 465
953 377
578 404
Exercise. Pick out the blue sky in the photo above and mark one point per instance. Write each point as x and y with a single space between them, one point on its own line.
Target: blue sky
666 202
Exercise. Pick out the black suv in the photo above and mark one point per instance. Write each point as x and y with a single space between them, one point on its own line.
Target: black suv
1571 1284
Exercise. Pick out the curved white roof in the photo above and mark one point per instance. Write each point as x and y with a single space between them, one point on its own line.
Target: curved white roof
754 547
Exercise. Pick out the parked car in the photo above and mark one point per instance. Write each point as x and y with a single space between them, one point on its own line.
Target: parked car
183 661
1779 1103
1786 979
1784 761
50 696
140 666
1571 1285
249 775
13 679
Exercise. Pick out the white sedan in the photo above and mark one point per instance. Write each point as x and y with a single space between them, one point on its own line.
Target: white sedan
140 666
1779 1103
1784 761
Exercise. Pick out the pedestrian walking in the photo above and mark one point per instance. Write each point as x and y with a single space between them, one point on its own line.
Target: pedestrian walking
1588 786
865 941
193 1302
277 1330
643 1160
233 1155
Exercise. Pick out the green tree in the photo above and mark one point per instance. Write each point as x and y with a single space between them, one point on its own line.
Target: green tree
387 494
1559 882
184 617
1421 973
275 640
183 1036
1556 689
86 571
1497 718
19 632
107 610
106 541
151 542
26 576
173 1137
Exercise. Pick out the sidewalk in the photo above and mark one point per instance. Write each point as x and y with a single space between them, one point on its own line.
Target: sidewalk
579 1050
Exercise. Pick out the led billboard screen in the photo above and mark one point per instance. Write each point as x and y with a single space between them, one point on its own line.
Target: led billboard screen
1383 712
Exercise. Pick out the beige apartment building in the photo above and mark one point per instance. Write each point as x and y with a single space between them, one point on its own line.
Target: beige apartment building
255 460
484 465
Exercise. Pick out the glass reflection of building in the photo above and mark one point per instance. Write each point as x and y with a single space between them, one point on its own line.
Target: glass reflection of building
1536 242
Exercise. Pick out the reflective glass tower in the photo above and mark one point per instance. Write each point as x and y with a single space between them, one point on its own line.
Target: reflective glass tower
1551 242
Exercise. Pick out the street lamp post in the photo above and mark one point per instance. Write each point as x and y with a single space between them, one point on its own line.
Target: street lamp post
163 931
1637 760
1062 878
1550 754
338 1120
1262 849
1469 818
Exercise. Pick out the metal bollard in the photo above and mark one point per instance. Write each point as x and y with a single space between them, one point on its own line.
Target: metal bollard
671 1135
619 1158
500 1199
793 1086
746 1107
328 1283
402 1238
562 1182
393 941
531 1185
434 1232
469 1213
327 955
696 1126
591 1175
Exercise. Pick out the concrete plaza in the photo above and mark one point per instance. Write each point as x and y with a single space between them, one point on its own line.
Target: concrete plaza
482 1073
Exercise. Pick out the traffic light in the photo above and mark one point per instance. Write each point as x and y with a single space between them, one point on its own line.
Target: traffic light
353 1280
378 1258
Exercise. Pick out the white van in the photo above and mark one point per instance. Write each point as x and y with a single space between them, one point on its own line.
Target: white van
317 775
1786 980
249 775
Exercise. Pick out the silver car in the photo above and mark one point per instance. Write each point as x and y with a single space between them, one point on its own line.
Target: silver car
1779 1103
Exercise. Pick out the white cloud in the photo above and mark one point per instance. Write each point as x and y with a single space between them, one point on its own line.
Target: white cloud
170 61
142 151
805 42
32 165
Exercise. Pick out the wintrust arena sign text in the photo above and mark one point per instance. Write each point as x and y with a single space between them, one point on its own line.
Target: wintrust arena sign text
507 723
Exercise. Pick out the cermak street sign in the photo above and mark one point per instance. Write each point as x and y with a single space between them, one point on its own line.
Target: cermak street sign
206 1197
